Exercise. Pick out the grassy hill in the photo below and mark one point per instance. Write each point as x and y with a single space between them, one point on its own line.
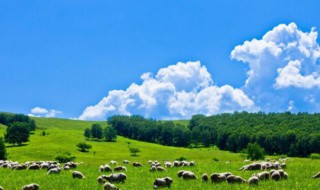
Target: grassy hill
63 135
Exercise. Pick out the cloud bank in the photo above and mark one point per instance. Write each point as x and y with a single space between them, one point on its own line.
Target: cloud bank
177 91
43 112
283 75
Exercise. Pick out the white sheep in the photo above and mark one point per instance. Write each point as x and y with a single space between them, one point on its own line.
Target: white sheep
317 175
77 174
254 180
188 175
113 162
160 169
235 179
216 177
162 182
32 186
120 168
126 162
275 175
119 177
205 177
54 171
109 186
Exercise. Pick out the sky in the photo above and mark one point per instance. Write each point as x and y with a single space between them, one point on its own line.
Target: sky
164 59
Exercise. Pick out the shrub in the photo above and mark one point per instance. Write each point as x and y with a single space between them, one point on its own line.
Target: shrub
255 151
215 159
84 147
181 158
66 157
134 151
315 156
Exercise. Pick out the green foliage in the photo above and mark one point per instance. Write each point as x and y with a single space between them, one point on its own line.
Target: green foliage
17 133
255 151
96 131
134 151
7 119
216 159
84 147
3 151
65 157
110 134
315 156
87 133
181 158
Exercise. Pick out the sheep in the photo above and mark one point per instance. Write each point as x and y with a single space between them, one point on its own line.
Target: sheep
101 179
32 186
275 175
168 164
205 177
113 162
254 166
188 175
120 168
72 165
162 182
34 167
21 167
216 177
44 165
226 174
316 176
54 171
126 162
285 175
66 167
77 174
263 175
119 177
192 163
179 173
1 188
283 165
176 163
160 169
136 164
105 168
153 168
109 186
254 180
235 179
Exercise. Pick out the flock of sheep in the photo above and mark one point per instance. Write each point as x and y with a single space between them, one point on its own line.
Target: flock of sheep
273 170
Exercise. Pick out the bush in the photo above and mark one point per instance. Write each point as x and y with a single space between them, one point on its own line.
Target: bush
84 147
134 151
181 158
255 151
215 159
315 156
66 157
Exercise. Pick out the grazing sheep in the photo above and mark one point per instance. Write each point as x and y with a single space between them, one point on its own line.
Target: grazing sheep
109 186
263 175
226 174
126 162
136 164
120 168
160 169
1 188
254 180
21 167
188 175
119 177
275 175
54 171
34 167
66 167
216 177
101 179
283 165
316 176
192 163
285 175
281 172
113 162
32 186
72 165
77 174
162 182
153 169
168 164
105 168
235 179
179 173
176 163
205 177
254 166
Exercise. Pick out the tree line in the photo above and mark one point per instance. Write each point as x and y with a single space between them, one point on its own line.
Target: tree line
97 133
278 133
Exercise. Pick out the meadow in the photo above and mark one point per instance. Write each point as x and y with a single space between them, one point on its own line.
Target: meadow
62 136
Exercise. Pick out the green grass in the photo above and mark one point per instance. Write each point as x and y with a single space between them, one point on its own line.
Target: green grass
63 135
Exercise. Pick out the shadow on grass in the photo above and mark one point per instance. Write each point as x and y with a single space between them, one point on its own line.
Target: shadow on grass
134 155
15 146
84 151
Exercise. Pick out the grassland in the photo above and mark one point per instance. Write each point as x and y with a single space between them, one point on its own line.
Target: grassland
63 135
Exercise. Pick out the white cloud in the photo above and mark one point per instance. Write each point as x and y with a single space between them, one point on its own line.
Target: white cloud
43 112
283 66
177 91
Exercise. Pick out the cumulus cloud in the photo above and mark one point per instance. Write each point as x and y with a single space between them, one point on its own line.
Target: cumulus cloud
282 64
43 112
176 91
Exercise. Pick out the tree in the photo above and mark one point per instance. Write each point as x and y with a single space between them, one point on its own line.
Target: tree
87 133
134 151
110 134
96 131
3 153
255 151
17 133
84 147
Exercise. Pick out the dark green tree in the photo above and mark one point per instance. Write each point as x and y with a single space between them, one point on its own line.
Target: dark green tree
96 131
84 147
206 138
3 152
87 133
110 134
134 151
255 151
17 133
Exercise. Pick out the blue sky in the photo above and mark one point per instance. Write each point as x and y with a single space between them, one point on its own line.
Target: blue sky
58 58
